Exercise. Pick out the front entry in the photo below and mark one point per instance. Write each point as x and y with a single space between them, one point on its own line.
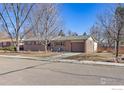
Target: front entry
77 47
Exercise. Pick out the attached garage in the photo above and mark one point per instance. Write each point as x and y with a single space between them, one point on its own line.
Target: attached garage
85 44
77 47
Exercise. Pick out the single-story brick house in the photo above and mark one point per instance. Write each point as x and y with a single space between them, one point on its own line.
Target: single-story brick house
7 42
64 43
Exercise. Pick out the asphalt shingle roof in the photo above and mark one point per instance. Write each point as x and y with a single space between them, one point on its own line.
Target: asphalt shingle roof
62 38
31 39
6 39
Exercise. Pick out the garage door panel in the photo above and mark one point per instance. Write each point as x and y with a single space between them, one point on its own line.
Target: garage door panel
77 47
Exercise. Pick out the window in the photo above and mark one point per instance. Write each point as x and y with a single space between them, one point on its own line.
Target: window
62 43
37 43
59 43
4 43
28 43
8 43
33 42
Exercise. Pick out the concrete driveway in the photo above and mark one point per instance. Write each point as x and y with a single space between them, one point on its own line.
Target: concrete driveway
18 71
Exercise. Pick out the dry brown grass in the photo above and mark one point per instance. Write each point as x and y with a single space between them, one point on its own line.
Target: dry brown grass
108 57
30 53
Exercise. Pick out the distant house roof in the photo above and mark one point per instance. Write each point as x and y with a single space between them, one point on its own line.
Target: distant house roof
31 39
6 39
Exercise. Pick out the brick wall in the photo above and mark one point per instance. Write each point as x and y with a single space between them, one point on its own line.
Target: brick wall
68 46
33 46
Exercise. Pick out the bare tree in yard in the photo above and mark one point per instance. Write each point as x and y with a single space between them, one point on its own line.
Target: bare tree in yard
97 34
48 25
101 35
113 23
119 24
28 33
13 18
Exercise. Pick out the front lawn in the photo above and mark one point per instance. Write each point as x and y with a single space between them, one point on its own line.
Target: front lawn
107 57
30 53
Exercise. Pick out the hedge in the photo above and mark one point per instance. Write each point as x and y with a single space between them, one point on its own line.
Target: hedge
10 48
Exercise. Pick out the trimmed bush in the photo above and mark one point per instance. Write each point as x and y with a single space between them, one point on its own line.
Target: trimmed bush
10 48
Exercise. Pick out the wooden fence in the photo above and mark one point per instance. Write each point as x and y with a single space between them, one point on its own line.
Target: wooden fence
112 50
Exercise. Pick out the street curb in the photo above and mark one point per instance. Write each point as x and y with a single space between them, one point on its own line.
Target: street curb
90 62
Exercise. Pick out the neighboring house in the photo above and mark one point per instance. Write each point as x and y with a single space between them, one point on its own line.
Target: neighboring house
64 43
32 44
7 42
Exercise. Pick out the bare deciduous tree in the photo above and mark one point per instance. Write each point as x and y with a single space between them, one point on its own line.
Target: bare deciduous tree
101 35
113 23
48 25
14 17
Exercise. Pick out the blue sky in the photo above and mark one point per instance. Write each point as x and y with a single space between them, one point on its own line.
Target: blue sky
80 17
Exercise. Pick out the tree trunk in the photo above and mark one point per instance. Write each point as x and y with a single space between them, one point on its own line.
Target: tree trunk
17 45
17 48
46 46
117 45
17 30
117 51
117 48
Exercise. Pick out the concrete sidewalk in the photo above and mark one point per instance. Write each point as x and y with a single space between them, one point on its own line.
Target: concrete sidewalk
91 62
60 59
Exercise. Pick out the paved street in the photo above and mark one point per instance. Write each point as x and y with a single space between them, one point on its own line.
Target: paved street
16 71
